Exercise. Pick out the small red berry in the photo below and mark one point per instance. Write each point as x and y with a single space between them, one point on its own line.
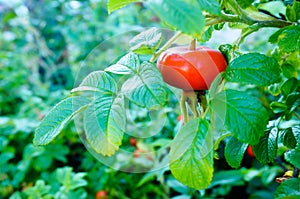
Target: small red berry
179 118
132 141
250 152
101 194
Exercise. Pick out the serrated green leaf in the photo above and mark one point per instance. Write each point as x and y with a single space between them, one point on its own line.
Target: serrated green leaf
253 68
288 189
266 150
146 88
288 139
293 157
289 39
113 5
146 42
243 115
289 86
296 132
234 152
104 119
191 155
57 118
104 123
128 64
97 81
179 14
293 101
211 6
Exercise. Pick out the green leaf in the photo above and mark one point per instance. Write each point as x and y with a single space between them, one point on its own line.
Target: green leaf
245 3
289 70
179 14
289 39
288 139
234 152
293 100
293 157
39 190
288 189
128 64
266 150
104 119
274 37
191 155
211 6
243 115
278 107
113 5
104 123
97 81
206 34
57 118
289 86
293 12
253 68
146 88
146 42
231 177
69 179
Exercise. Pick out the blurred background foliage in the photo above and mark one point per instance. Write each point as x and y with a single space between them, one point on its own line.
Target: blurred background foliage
43 45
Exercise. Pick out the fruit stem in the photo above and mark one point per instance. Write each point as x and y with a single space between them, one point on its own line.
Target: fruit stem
192 101
202 100
193 44
192 96
183 107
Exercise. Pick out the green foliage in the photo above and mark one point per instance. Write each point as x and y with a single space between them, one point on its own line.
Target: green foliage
257 101
212 7
234 152
191 155
235 107
57 119
265 151
288 189
179 15
147 42
116 4
253 68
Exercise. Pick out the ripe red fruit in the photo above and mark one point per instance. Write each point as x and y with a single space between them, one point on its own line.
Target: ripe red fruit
132 142
250 152
179 118
191 69
101 195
